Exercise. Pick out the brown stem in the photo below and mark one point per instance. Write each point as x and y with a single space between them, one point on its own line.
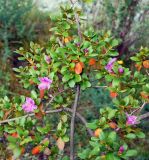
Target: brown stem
82 119
143 116
74 108
77 93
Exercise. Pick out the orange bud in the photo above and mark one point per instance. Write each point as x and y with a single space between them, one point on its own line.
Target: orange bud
36 150
138 67
145 96
78 68
104 50
103 157
22 150
67 39
41 93
86 54
113 94
31 81
74 61
15 135
82 64
92 61
72 69
97 132
113 125
146 64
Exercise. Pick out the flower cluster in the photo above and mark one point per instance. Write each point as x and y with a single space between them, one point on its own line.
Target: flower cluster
109 66
45 83
131 120
29 105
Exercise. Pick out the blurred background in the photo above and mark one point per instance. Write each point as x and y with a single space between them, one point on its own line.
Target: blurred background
29 20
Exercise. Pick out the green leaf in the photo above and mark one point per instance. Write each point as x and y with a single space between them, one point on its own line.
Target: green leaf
84 154
112 113
66 78
16 69
65 25
12 139
64 69
98 76
71 83
65 139
131 136
111 156
87 84
92 125
135 59
114 42
26 140
102 121
113 53
95 151
112 136
115 82
34 94
64 118
77 78
131 153
59 127
140 135
17 152
32 45
51 75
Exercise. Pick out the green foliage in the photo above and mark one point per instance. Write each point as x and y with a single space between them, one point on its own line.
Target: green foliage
12 14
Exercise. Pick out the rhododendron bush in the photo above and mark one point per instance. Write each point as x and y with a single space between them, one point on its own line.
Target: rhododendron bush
42 122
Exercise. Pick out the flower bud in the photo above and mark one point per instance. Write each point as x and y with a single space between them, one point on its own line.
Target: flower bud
86 50
121 70
78 44
121 149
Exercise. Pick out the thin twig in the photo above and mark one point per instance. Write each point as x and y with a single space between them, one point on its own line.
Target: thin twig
139 109
74 108
143 116
77 93
147 72
98 86
82 119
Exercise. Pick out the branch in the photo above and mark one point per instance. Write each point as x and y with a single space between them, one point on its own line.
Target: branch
139 109
143 116
74 108
77 21
82 119
98 86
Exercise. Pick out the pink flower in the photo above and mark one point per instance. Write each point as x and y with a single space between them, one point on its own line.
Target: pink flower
35 67
29 105
121 149
45 83
48 59
86 50
131 120
120 70
109 66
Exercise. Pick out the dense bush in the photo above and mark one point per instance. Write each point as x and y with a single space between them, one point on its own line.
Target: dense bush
72 62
